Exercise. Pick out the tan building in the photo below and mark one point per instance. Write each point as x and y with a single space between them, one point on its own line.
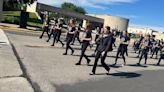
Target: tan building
114 22
138 30
159 35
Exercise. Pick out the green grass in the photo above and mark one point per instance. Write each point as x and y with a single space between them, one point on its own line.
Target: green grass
13 17
32 24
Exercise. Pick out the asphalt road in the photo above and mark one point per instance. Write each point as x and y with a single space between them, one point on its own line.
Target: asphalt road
50 71
147 81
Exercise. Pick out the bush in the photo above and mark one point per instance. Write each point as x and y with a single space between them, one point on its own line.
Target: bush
11 19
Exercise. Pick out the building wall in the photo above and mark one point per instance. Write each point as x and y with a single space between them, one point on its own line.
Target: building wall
32 7
116 22
158 35
136 30
113 21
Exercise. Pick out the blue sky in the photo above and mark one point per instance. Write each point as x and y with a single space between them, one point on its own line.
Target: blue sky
142 13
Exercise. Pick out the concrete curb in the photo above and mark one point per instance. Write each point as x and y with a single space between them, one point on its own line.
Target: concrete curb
12 76
3 38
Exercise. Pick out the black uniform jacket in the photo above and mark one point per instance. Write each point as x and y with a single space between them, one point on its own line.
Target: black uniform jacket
106 43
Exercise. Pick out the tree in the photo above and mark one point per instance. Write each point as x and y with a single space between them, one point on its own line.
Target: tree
72 7
80 10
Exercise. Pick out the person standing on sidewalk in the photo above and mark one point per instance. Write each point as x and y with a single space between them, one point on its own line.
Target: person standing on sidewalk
87 36
70 35
106 42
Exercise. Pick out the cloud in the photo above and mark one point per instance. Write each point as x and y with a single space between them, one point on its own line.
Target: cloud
99 4
156 28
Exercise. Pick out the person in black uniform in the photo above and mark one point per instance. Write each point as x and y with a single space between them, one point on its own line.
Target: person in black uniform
98 32
162 53
127 45
76 35
136 46
156 48
45 27
70 35
97 39
123 46
85 43
104 47
57 32
139 44
114 35
55 21
145 45
60 32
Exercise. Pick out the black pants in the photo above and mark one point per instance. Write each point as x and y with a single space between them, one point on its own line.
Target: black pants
126 51
83 49
136 47
76 36
121 50
98 55
144 53
97 36
55 34
45 30
97 46
151 50
69 40
58 38
155 51
139 52
114 43
51 33
161 57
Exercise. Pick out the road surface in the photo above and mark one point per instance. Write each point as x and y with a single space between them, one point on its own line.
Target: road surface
50 71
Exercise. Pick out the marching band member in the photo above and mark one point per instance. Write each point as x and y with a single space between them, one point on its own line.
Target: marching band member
70 35
105 46
123 46
145 45
85 43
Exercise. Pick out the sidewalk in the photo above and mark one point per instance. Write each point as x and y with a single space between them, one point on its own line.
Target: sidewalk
14 27
10 71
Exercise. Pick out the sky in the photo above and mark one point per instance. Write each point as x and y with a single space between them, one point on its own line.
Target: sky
142 13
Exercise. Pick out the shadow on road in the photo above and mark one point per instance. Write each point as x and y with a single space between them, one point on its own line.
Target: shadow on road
135 65
113 66
126 75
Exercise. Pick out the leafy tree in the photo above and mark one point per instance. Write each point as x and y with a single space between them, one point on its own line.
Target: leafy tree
80 10
11 5
73 7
